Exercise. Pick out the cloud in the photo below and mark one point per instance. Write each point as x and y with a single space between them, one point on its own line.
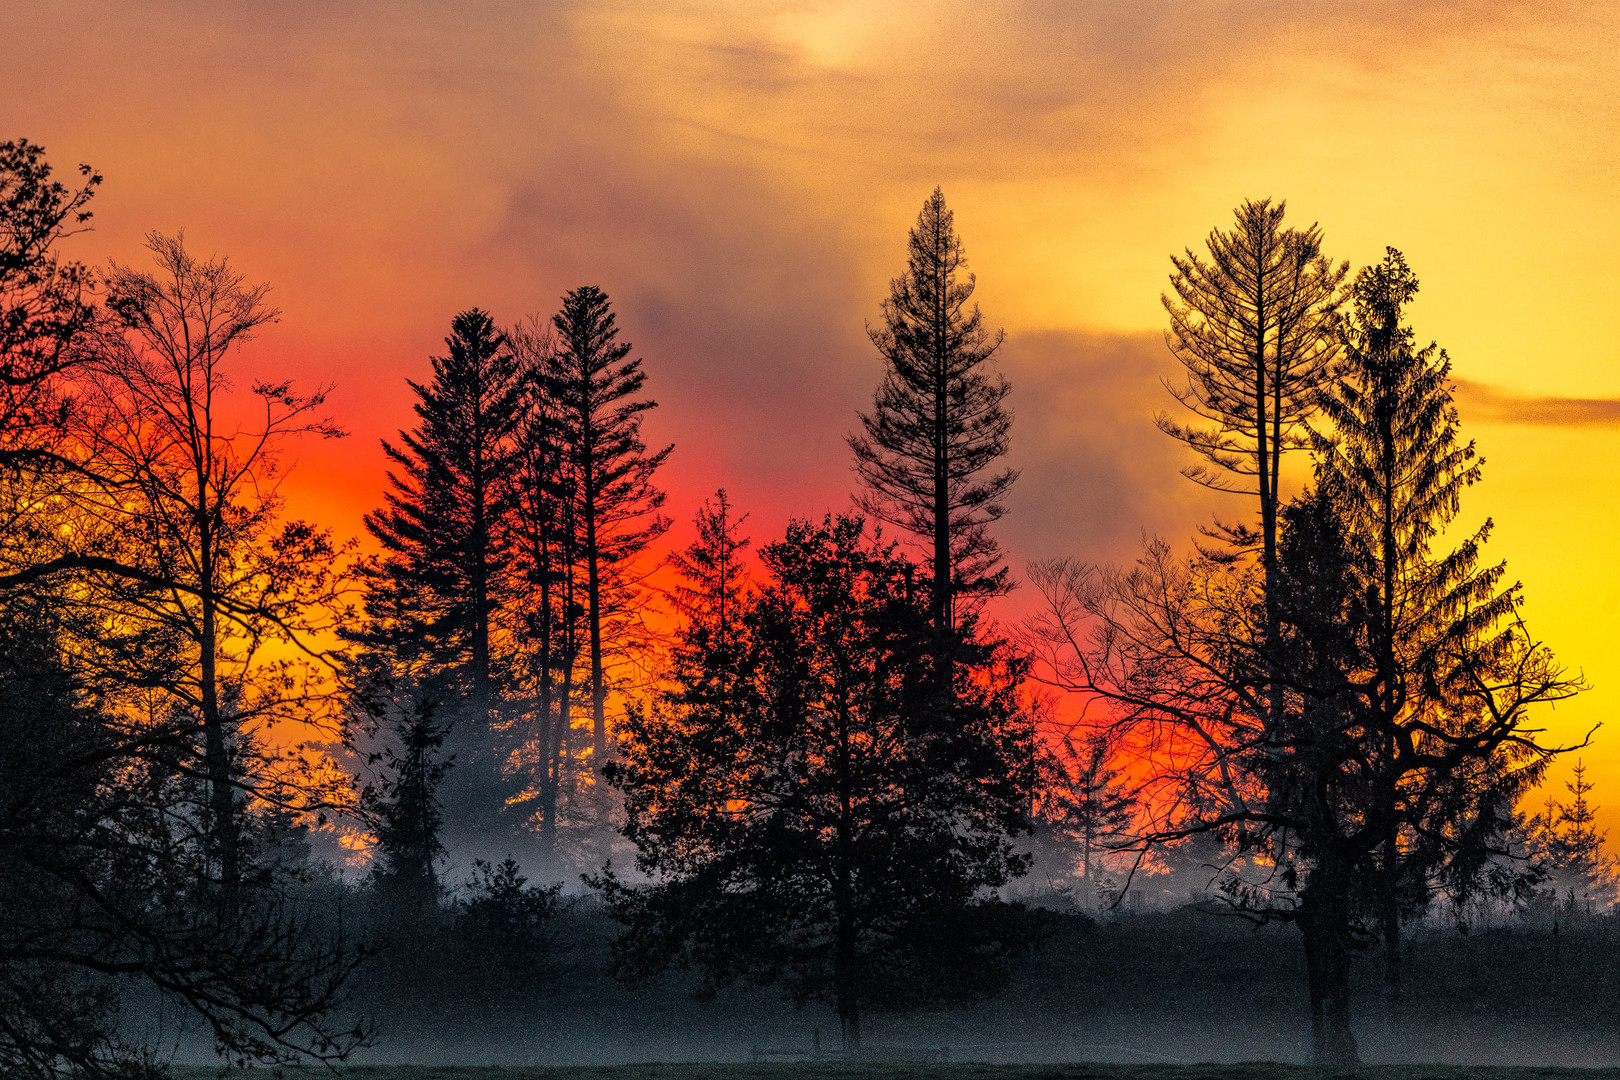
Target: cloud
1482 403
1096 473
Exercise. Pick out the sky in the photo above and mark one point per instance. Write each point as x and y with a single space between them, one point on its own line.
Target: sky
740 177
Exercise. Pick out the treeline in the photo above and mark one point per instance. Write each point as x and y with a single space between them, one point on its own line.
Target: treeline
828 777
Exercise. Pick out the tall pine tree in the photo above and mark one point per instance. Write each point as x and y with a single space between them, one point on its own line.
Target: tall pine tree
938 420
593 386
445 533
547 546
1255 328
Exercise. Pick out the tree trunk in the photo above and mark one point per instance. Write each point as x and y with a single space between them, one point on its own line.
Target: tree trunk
565 716
216 747
848 998
593 599
1324 921
548 721
598 680
1390 931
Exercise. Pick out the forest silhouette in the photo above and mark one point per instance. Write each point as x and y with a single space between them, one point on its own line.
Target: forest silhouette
282 789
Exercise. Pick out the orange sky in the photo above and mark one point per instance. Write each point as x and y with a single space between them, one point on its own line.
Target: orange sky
740 176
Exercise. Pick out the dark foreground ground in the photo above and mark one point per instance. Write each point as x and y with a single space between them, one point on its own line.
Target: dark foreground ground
1262 1070
1177 988
1151 992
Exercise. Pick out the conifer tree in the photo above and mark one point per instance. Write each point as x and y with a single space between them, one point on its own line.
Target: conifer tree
938 420
809 817
1394 471
445 533
547 545
593 387
1359 726
1254 327
404 804
1092 804
1573 845
712 572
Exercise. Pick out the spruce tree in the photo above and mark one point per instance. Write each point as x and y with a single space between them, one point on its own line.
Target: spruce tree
1574 846
1093 804
593 386
1442 670
938 420
445 534
1394 470
713 576
404 805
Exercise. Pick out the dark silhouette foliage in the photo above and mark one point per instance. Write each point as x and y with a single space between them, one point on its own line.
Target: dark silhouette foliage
434 596
139 843
1358 727
713 576
938 420
403 804
809 816
592 386
46 302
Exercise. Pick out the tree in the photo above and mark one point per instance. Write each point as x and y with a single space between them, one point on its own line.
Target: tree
100 869
404 802
194 570
938 420
445 532
593 387
1254 327
1090 806
808 815
1358 725
1394 470
1571 846
109 866
46 306
712 572
548 545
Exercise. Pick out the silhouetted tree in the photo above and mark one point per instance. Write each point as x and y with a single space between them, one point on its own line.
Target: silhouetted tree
1090 805
503 936
1570 845
812 818
1254 327
404 803
1357 726
548 546
107 881
938 421
593 386
713 576
1394 471
46 306
179 497
109 862
445 533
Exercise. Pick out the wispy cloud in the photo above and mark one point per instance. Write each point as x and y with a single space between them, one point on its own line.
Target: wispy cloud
1482 403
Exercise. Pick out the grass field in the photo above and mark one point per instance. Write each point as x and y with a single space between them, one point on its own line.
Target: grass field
920 1071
